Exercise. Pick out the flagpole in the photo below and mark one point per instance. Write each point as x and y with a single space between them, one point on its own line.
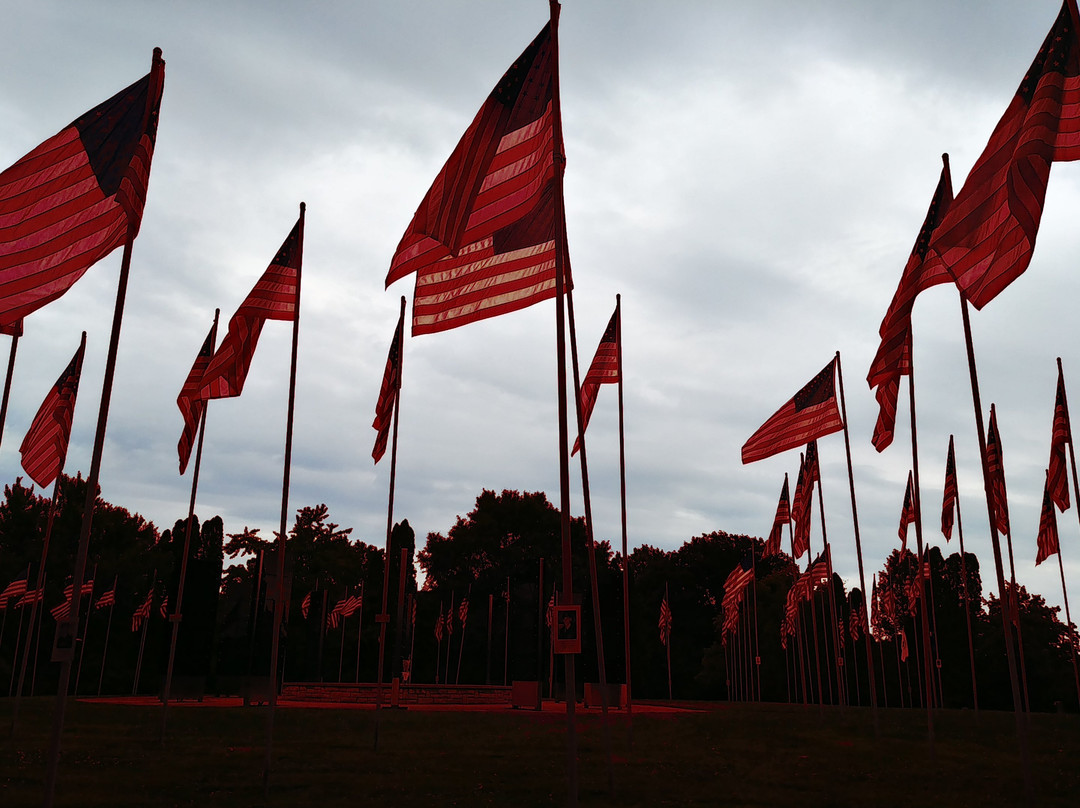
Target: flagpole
7 378
39 588
359 630
461 642
810 603
561 278
142 643
622 510
281 594
1010 652
487 661
967 597
800 669
667 645
1076 490
449 638
86 629
589 544
757 647
858 547
928 675
506 637
108 631
831 597
177 615
383 617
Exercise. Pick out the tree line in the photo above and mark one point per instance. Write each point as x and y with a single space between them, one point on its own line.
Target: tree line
503 558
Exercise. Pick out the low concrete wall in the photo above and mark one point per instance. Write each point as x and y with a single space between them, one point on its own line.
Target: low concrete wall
364 693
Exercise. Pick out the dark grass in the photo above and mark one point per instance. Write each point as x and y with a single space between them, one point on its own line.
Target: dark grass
743 755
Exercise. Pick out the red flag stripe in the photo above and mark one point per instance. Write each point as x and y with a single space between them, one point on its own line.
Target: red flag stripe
76 197
812 413
190 402
44 448
274 297
988 235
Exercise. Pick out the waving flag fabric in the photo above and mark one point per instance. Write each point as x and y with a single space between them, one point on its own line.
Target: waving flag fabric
275 297
1047 539
893 359
995 459
804 499
76 197
734 587
190 402
388 392
811 414
987 237
482 242
665 621
603 370
143 611
1058 482
907 513
951 493
44 449
16 589
780 520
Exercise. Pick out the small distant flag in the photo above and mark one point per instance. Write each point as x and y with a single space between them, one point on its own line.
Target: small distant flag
1047 539
439 625
190 402
163 610
44 449
31 597
305 606
1058 481
106 599
903 646
463 611
143 612
389 390
603 370
948 501
995 460
15 589
780 520
275 296
665 621
907 513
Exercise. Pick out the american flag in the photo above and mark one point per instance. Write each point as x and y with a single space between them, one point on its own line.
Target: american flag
1058 482
16 589
1047 538
907 513
811 414
143 612
782 518
603 370
305 606
190 402
44 448
30 597
163 610
482 243
388 391
439 625
275 296
995 460
665 621
949 497
463 611
106 599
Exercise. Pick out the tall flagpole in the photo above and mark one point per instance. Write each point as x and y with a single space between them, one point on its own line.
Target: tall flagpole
359 631
85 632
1076 490
17 330
999 570
506 637
108 631
281 594
831 598
383 617
964 589
564 431
65 654
622 508
589 544
858 549
928 675
177 614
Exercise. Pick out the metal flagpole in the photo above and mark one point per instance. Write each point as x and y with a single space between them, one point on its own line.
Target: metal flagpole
1076 491
383 617
561 278
177 614
142 642
359 631
282 591
838 665
858 548
487 662
589 544
16 333
506 637
967 598
463 618
622 511
108 631
1010 651
85 631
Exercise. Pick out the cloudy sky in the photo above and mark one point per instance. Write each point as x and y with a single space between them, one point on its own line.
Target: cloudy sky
750 177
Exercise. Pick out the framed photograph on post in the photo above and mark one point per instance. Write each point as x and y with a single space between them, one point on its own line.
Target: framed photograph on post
568 629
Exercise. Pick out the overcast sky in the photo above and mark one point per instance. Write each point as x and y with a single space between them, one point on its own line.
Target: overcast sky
749 176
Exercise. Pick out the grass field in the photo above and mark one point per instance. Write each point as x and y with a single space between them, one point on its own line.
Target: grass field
753 755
